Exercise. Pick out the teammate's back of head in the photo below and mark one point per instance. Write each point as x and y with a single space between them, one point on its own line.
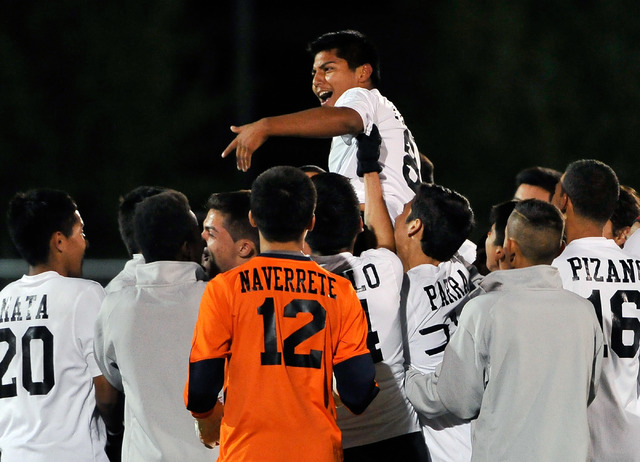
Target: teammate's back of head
593 188
126 211
352 46
537 226
283 200
447 219
163 223
338 219
34 216
536 181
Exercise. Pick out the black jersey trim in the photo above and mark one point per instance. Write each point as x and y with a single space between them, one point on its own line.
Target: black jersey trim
286 256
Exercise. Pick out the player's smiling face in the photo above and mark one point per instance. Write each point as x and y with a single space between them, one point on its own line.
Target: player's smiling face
219 241
331 77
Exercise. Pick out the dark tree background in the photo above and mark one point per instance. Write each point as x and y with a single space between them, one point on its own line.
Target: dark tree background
100 97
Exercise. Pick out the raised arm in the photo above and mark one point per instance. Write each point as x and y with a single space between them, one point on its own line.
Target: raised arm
376 215
320 122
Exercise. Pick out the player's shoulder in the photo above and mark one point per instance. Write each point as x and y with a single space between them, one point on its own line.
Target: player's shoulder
383 256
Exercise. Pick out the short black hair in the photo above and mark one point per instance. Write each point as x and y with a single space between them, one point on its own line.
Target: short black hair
337 215
543 177
447 219
627 209
593 188
235 206
537 226
127 210
34 216
352 46
312 169
283 200
163 223
499 216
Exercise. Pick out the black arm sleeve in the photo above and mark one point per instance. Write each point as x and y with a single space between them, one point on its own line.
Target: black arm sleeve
355 380
205 382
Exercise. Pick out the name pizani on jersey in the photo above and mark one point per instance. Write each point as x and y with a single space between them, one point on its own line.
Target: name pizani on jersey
593 269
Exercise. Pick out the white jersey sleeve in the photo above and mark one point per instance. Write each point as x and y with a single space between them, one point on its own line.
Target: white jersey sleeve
399 155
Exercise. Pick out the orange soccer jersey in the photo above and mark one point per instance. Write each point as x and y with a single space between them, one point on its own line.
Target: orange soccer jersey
282 322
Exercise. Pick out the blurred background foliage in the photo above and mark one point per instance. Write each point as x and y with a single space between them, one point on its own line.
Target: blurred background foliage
100 97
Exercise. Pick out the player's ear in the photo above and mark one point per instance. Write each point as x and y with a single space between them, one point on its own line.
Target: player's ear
58 242
312 223
510 249
414 227
621 236
251 221
363 72
246 248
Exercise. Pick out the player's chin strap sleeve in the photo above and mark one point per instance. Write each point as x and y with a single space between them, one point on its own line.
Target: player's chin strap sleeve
205 382
355 381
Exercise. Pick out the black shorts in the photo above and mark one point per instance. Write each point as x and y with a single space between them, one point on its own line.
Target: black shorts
407 448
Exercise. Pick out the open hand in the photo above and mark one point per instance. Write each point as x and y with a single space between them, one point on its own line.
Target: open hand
249 138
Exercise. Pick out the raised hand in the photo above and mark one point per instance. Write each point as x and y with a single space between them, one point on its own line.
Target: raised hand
249 138
369 152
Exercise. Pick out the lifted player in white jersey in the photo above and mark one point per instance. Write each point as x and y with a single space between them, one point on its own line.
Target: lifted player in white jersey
345 76
430 230
388 428
50 383
597 269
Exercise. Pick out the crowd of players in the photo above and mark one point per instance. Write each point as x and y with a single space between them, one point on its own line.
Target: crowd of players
329 316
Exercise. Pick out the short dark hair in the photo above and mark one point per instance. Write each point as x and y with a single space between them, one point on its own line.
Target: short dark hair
34 216
543 177
163 223
426 169
312 169
127 210
593 189
235 206
352 46
537 226
447 219
499 216
283 199
337 215
627 209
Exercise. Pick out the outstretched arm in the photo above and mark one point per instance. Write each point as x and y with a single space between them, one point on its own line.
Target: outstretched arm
376 215
320 122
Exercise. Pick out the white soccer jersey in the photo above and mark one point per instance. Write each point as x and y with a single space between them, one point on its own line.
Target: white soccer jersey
431 299
47 397
142 344
632 246
126 277
399 155
597 269
377 277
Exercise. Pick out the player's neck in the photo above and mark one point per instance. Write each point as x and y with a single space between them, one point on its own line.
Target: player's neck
270 246
418 258
43 268
578 228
